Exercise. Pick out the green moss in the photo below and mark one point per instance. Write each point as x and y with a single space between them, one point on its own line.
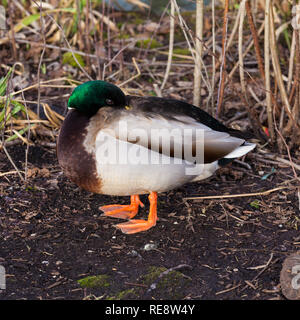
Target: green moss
173 285
124 295
152 275
31 188
170 286
138 21
4 3
148 43
69 59
182 51
124 36
101 280
135 17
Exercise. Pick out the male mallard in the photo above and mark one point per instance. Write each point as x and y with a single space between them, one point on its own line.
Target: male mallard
121 145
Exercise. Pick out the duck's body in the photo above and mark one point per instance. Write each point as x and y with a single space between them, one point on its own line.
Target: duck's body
142 145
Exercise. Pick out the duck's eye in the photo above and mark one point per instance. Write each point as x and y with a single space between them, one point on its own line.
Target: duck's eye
109 102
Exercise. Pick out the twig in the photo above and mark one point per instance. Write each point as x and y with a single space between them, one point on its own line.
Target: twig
199 49
296 85
245 52
255 39
277 160
114 58
277 69
213 76
291 62
72 51
288 151
267 70
240 49
254 194
223 59
232 34
13 164
157 90
229 289
106 20
231 37
78 22
234 29
171 45
262 266
41 56
262 271
51 46
12 32
188 34
19 73
9 172
135 284
87 34
28 138
108 45
133 77
43 84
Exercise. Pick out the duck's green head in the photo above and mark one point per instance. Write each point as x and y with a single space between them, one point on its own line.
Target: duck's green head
90 96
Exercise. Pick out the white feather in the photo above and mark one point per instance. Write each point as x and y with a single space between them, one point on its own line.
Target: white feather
137 174
240 151
184 132
127 168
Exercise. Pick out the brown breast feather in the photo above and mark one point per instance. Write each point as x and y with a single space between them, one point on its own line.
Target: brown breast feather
77 163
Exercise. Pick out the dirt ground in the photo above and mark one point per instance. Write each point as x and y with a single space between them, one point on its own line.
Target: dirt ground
56 245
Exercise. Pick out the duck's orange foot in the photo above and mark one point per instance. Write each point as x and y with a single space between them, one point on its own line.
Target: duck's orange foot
123 211
135 226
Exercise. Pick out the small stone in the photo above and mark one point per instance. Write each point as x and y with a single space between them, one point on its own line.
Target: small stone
133 253
150 246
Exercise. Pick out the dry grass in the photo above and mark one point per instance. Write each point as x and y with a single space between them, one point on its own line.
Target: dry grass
52 46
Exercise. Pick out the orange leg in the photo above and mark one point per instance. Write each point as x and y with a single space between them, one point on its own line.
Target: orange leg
123 211
134 226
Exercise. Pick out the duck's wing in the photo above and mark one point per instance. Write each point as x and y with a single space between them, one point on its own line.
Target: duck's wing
170 108
176 135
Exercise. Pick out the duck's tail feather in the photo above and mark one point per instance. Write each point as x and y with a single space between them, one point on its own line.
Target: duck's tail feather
241 150
238 152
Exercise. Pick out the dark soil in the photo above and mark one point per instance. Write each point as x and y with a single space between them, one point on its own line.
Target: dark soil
52 235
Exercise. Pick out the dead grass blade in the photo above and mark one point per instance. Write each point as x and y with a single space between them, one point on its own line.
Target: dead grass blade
240 195
223 60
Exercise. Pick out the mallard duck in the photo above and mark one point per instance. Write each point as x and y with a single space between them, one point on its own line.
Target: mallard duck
116 144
